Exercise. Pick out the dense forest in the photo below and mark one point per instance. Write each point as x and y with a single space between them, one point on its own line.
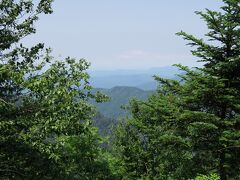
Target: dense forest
188 128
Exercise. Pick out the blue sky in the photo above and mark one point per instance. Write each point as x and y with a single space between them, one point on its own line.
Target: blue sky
123 34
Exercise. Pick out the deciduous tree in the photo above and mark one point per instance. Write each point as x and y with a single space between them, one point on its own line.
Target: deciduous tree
45 120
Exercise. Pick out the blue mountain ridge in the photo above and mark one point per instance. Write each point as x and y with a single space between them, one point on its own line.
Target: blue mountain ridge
142 79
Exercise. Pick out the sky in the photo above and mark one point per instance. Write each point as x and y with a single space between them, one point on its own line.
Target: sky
123 34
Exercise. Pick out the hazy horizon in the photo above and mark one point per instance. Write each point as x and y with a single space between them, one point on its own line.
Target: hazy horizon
115 35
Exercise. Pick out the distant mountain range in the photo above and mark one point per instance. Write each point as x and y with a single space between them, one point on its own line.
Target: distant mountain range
120 96
142 79
123 85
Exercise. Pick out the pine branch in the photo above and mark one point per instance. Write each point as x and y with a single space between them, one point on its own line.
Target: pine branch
12 171
7 103
229 147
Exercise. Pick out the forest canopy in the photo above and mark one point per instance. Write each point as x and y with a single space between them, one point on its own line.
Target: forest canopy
188 129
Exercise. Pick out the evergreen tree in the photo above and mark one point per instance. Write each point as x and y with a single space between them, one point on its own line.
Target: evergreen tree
191 126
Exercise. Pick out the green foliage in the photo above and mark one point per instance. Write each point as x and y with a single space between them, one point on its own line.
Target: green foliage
45 120
188 127
210 177
191 126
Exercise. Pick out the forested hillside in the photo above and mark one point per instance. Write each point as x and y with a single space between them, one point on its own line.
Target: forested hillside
119 98
188 128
